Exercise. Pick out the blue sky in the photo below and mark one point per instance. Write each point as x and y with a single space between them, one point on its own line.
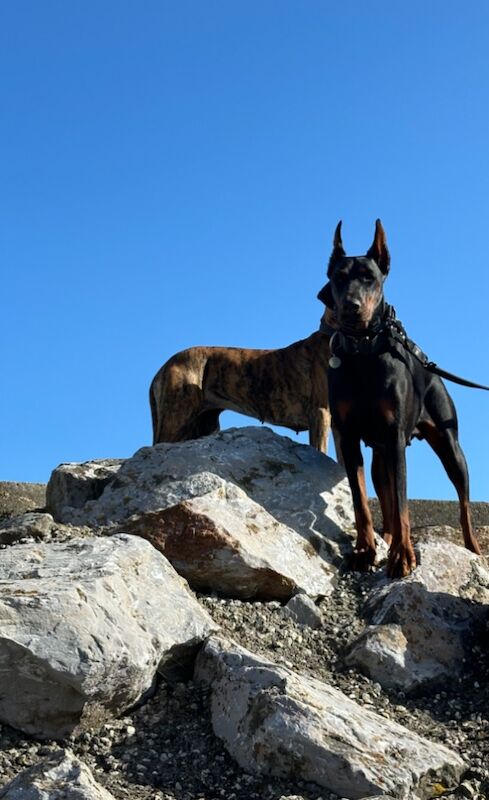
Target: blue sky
172 173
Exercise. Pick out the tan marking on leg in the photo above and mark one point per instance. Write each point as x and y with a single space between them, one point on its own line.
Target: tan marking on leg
364 552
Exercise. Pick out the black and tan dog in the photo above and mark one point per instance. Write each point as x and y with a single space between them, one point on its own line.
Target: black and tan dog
382 392
286 387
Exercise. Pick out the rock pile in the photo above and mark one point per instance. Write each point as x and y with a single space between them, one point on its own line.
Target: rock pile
325 686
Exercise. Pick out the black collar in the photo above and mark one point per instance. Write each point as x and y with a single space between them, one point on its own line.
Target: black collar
383 336
379 336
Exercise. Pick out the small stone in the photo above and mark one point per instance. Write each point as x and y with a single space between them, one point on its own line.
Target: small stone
304 611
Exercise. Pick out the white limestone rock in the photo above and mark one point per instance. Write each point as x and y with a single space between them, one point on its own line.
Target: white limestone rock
76 484
304 611
296 484
61 776
274 721
223 541
84 627
422 626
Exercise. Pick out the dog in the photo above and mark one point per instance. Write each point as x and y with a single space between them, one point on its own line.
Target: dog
381 393
286 387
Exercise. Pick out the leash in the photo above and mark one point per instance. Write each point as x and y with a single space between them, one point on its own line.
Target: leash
432 367
373 343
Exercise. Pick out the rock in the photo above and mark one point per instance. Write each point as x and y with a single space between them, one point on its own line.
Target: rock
296 484
421 626
76 484
223 541
62 776
304 611
32 525
275 721
84 626
37 526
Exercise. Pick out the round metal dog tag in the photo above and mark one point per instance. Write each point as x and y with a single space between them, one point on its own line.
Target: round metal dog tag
334 362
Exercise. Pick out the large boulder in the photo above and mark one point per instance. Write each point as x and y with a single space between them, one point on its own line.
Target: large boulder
84 626
422 626
61 776
76 484
274 721
296 484
224 541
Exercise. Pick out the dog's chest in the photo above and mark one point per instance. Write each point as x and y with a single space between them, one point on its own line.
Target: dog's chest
367 397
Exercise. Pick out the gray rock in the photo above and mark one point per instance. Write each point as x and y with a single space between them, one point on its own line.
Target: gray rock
304 611
296 484
84 626
32 524
38 526
76 484
225 542
275 721
421 626
61 776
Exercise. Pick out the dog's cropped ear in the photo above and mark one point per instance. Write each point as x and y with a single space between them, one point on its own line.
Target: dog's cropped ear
326 296
338 250
379 251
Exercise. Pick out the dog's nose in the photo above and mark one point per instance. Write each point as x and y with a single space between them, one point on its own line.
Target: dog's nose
351 305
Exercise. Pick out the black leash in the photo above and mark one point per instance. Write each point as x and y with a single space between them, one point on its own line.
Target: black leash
432 367
371 344
396 327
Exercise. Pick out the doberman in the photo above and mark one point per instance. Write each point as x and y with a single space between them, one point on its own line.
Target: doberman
381 392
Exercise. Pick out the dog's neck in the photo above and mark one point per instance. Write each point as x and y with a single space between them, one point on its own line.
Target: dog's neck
329 323
371 340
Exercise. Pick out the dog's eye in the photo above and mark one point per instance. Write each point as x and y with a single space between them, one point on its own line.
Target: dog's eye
366 277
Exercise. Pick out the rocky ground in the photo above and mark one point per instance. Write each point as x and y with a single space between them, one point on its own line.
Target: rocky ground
166 748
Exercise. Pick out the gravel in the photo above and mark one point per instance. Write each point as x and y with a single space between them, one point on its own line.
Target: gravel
166 749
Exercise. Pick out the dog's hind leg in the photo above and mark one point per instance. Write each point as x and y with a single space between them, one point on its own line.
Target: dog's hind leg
446 446
207 422
440 430
175 407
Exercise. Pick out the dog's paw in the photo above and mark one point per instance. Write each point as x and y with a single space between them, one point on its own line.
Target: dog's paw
401 562
362 559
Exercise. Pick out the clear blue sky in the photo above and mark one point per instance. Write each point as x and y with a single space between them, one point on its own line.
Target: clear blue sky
172 173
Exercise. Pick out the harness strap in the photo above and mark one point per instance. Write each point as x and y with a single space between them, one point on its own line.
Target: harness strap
393 331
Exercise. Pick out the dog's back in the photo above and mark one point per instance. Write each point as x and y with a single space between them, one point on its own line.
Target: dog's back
287 387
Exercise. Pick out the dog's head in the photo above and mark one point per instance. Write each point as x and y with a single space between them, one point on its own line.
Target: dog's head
355 287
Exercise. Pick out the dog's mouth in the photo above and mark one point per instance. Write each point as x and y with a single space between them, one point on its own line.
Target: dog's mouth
354 322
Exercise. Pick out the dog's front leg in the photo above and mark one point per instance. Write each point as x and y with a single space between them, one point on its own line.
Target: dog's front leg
402 559
319 428
383 483
363 556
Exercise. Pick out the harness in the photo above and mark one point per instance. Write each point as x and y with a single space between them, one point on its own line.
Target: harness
385 334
